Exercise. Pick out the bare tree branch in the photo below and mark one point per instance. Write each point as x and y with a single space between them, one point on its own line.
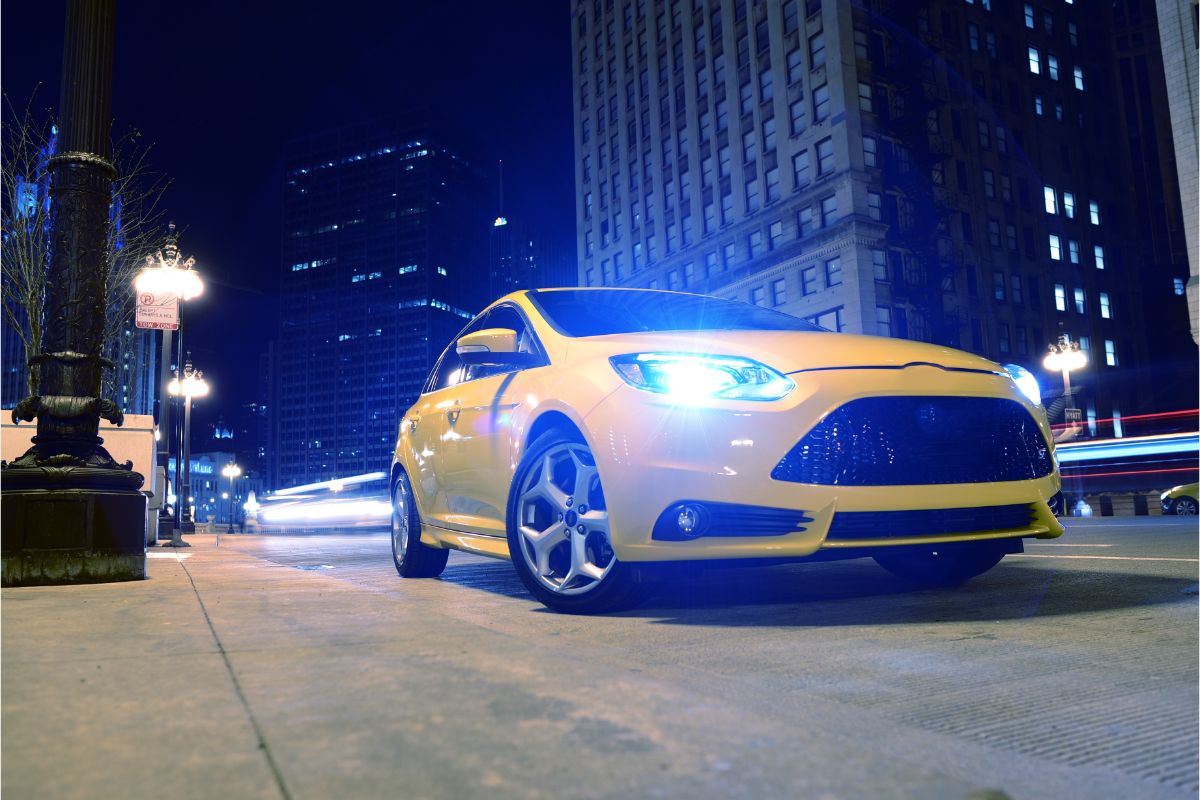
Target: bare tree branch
136 231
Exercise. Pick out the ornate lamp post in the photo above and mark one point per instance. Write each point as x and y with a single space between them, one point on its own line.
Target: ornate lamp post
231 471
1065 356
71 514
191 385
166 272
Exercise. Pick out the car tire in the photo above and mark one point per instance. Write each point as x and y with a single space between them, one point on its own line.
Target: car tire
412 558
1184 507
558 531
950 564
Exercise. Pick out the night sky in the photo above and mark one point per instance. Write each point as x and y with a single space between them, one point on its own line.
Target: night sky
217 88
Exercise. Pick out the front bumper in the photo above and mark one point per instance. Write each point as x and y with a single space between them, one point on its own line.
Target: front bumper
653 453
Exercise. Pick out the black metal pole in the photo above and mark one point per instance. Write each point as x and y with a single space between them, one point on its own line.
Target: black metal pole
164 431
96 516
187 524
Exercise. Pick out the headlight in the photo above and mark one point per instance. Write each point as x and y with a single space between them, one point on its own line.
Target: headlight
1025 381
689 376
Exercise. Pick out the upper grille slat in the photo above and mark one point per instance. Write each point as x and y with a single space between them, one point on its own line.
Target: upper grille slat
911 441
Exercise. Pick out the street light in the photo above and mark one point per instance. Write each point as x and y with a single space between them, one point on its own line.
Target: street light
1065 356
167 272
231 471
192 385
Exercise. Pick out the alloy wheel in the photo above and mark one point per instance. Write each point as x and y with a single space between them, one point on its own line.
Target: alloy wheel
562 521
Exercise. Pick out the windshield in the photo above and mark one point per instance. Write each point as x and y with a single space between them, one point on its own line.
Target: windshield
599 312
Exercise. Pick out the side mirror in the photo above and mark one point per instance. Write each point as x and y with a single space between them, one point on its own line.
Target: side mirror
492 347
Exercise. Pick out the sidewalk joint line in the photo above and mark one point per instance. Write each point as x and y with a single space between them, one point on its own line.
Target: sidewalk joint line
237 687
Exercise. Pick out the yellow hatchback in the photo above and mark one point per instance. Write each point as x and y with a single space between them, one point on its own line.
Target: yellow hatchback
592 435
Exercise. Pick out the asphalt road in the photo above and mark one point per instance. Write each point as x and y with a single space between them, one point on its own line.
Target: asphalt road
1070 668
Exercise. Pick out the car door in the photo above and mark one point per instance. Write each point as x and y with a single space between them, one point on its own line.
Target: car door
427 430
476 466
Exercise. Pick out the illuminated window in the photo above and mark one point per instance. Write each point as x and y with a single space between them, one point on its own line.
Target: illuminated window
1073 251
1098 253
1051 199
1037 105
1105 306
1055 247
1094 212
1080 302
1035 61
1069 205
1029 16
1052 67
1060 297
1178 285
1079 78
1110 358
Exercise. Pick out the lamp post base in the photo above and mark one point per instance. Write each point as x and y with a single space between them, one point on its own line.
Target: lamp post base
62 536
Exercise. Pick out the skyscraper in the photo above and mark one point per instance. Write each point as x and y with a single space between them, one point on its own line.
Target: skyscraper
384 259
948 172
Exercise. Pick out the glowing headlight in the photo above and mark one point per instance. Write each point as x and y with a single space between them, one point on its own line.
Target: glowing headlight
1025 381
688 376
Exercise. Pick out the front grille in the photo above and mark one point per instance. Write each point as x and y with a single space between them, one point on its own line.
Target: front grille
909 441
852 525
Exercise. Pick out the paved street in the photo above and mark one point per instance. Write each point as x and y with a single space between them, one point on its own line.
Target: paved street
302 666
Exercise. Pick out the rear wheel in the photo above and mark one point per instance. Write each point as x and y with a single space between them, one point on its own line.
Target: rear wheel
1185 507
948 564
412 559
558 531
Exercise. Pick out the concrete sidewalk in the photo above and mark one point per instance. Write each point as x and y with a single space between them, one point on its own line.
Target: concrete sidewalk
227 676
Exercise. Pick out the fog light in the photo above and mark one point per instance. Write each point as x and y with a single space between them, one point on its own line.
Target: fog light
690 520
1058 504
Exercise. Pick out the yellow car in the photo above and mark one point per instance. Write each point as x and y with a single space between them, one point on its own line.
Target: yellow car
1181 500
590 435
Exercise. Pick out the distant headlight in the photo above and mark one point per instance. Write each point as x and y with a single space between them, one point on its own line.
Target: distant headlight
689 376
1025 381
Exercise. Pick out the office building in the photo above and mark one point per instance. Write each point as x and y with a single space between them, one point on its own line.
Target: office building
384 259
1178 31
942 172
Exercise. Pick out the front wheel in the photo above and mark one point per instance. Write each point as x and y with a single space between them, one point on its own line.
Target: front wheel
949 564
1185 507
558 531
412 559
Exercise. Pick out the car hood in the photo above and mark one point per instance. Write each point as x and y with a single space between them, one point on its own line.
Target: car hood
797 351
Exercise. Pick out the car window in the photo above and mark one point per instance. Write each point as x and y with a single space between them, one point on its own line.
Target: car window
449 369
600 312
505 317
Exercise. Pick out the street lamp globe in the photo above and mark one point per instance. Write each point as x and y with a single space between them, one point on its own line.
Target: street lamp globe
231 471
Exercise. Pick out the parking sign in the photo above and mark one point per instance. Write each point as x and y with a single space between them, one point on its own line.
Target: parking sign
157 310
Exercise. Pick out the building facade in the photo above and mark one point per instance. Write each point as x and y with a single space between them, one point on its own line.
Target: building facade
520 258
1179 38
883 167
384 258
